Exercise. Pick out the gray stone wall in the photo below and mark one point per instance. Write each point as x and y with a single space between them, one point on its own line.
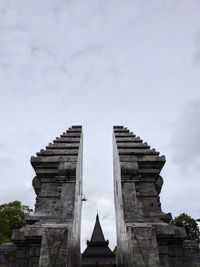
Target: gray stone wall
144 235
52 234
8 255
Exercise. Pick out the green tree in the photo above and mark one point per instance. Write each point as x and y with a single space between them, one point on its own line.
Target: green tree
190 224
12 216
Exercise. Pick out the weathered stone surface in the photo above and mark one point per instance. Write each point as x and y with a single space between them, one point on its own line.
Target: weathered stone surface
191 253
54 246
144 237
8 255
143 245
52 234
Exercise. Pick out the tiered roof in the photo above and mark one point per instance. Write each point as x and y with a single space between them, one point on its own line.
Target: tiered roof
97 246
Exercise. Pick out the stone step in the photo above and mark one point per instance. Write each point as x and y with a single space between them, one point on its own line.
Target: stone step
137 152
63 146
74 130
142 159
118 127
51 160
120 130
124 135
132 145
71 135
57 152
128 140
66 140
76 126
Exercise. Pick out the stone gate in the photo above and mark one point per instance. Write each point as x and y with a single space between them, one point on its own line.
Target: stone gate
51 237
144 236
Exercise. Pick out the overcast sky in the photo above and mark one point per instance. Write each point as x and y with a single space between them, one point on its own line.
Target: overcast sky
99 63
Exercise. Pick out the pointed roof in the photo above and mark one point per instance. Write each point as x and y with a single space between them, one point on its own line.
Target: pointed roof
97 246
97 235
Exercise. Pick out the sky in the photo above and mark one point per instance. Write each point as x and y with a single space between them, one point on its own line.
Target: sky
100 63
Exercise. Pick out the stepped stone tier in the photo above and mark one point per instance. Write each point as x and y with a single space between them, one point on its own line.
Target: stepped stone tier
144 235
51 237
145 238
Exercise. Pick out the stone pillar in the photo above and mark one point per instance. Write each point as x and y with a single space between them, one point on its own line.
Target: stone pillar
144 235
52 234
136 183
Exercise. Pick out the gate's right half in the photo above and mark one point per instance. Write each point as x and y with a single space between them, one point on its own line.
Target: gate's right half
144 236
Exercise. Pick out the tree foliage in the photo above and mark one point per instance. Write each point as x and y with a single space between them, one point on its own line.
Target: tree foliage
190 224
12 216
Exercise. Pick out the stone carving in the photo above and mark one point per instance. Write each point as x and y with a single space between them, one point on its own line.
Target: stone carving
144 236
51 237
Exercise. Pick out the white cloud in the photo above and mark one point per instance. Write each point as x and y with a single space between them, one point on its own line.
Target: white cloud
98 63
186 138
